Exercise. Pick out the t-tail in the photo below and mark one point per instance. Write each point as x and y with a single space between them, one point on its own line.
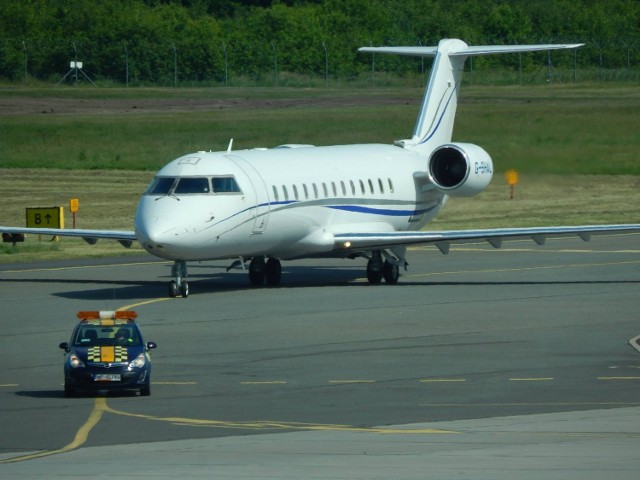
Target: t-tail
435 120
456 169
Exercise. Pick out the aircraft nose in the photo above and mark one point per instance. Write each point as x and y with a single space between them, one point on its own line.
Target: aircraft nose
156 234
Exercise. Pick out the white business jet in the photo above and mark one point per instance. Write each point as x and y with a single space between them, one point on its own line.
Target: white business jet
262 206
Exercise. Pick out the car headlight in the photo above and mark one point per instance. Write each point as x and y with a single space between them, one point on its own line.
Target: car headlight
75 362
139 361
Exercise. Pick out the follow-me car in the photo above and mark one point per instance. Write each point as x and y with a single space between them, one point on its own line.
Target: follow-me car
107 352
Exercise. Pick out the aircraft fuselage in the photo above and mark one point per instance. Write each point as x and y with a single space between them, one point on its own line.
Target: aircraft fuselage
286 202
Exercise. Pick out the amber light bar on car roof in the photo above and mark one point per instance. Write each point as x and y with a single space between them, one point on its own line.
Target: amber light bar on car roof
107 314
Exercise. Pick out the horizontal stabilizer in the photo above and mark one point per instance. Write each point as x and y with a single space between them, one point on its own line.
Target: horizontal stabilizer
470 51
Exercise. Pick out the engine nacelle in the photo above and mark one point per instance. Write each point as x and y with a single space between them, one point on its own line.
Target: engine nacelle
460 169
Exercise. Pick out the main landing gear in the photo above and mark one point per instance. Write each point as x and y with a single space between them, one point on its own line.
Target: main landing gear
261 270
269 270
179 286
377 269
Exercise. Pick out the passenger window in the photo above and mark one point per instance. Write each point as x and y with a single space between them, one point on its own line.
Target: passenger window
390 186
225 185
275 193
295 192
362 187
161 186
333 187
324 189
353 187
189 185
315 191
344 189
306 191
370 185
381 186
286 192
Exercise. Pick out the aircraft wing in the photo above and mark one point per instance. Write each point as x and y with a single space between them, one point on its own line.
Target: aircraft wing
495 236
126 238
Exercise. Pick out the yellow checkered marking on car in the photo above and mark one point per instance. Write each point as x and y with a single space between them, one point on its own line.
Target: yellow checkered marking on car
120 354
107 354
93 354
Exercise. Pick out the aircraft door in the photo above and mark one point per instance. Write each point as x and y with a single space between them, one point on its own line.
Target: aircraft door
262 202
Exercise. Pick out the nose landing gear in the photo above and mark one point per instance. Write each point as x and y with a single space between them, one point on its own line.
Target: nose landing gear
179 286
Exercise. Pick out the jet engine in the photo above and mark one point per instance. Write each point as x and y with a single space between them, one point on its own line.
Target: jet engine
460 169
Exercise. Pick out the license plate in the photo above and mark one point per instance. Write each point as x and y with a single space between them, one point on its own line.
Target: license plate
106 377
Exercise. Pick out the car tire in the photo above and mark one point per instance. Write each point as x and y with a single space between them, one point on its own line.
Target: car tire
145 391
69 391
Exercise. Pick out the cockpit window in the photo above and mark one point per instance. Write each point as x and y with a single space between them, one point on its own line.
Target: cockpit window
192 185
161 185
225 185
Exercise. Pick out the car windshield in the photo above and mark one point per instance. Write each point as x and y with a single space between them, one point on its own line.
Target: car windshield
98 335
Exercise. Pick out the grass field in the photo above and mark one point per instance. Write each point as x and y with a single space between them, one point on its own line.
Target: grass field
577 148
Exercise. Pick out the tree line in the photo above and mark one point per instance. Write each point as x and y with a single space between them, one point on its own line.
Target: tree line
164 41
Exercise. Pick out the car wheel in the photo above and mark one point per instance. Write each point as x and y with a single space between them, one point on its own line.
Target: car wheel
69 391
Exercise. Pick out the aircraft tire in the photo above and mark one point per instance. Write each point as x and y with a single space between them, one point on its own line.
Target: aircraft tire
184 289
273 272
257 271
391 273
173 289
374 272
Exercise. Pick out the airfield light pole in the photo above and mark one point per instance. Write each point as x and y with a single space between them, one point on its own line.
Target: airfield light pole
627 45
275 62
326 66
600 47
75 63
24 45
175 65
520 67
373 67
126 64
226 65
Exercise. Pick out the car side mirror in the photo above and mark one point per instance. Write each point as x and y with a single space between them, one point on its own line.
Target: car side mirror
64 346
635 342
151 345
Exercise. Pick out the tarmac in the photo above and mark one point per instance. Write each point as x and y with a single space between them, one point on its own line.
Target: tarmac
594 444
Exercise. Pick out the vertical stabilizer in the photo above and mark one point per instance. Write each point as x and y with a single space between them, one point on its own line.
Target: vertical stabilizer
437 113
434 126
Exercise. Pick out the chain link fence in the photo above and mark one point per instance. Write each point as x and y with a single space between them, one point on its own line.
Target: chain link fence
76 62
